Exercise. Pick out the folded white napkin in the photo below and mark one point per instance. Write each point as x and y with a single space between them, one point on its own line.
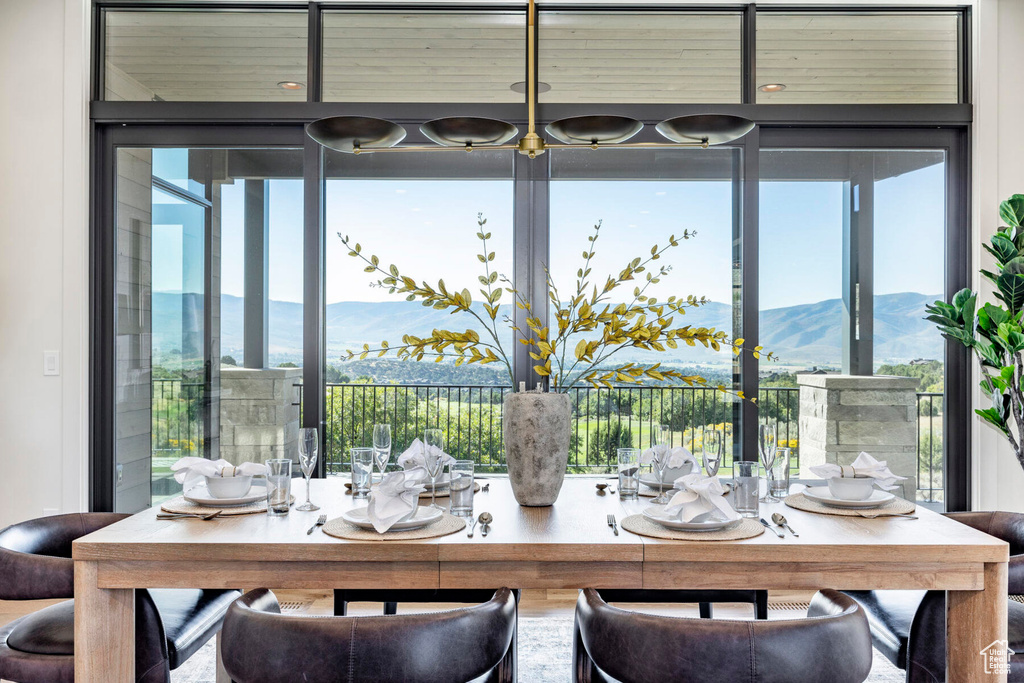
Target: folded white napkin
699 495
863 466
677 456
396 497
186 468
416 456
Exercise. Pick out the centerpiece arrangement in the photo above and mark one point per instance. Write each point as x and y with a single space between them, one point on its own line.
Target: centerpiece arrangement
586 328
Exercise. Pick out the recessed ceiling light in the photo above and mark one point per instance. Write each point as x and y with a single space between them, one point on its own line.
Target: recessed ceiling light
772 87
520 87
290 85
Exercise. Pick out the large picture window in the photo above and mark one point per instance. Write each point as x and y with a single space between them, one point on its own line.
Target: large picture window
226 303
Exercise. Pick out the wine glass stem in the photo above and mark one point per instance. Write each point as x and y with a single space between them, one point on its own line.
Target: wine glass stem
433 492
307 489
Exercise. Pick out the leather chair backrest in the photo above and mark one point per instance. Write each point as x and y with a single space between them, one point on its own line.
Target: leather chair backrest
260 645
35 556
1006 526
833 644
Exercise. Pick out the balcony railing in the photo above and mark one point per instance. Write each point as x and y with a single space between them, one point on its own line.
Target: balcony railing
604 419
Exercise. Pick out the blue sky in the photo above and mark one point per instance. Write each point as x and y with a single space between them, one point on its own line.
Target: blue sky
428 228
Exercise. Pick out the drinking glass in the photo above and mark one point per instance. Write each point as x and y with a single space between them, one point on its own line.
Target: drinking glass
629 472
744 488
362 471
767 447
279 486
433 442
712 445
778 476
309 444
661 441
382 446
460 488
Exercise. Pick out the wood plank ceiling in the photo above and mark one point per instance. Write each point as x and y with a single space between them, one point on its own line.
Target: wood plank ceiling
595 57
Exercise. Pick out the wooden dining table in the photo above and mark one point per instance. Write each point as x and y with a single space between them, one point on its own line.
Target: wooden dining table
567 545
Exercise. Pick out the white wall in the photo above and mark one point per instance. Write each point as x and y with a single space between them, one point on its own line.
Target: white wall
44 245
43 256
998 172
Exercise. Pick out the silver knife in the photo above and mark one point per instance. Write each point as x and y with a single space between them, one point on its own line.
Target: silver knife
613 525
769 526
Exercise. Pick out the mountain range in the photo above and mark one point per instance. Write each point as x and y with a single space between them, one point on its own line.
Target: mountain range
803 335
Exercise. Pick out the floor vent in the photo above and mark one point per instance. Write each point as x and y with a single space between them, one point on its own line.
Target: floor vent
295 606
788 606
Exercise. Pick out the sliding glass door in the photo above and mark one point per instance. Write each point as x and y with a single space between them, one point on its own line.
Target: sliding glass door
209 311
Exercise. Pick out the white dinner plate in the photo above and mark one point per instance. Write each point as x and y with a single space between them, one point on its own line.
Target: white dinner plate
199 495
656 513
821 494
442 481
424 516
651 479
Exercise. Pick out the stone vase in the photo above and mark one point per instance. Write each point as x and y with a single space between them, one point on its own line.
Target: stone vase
535 431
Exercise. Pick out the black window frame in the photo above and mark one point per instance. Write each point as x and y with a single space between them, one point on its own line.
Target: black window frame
247 124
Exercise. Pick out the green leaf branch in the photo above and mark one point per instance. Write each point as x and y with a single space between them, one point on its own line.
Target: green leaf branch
588 327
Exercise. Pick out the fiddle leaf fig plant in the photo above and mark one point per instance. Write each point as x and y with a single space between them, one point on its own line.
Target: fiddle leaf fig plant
586 327
994 331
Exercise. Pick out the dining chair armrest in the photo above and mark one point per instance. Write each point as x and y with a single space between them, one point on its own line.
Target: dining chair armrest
926 643
1015 575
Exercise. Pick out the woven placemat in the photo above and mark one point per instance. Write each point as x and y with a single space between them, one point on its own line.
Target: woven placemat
897 506
448 524
441 492
641 526
180 505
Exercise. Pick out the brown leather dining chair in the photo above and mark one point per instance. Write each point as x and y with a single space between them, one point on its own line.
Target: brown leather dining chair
909 627
261 645
832 644
36 564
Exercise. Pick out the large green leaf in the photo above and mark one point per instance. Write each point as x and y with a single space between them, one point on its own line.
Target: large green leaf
1011 284
1012 210
1003 249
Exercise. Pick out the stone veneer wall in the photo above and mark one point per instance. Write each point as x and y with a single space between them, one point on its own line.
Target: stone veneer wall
842 415
258 420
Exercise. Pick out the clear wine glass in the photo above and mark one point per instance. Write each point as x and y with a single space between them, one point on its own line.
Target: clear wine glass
767 448
661 441
433 450
382 446
711 446
309 445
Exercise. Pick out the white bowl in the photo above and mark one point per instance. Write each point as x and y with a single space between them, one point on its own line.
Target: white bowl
229 487
673 473
851 488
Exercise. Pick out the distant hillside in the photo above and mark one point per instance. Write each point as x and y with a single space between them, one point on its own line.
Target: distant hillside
808 334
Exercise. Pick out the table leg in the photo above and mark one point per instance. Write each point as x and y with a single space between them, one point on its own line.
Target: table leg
974 621
104 630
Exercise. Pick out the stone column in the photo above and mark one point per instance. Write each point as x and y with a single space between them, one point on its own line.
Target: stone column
258 420
842 415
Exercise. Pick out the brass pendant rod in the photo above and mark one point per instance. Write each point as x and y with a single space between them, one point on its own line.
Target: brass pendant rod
531 65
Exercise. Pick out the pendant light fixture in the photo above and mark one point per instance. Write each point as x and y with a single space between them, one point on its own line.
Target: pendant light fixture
362 134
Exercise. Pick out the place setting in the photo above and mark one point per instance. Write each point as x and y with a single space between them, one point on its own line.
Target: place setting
850 491
393 510
416 455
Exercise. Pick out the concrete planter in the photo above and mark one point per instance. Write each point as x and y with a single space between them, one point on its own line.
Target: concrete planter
535 429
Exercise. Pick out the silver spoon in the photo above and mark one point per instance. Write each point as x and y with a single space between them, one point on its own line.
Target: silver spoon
485 519
781 521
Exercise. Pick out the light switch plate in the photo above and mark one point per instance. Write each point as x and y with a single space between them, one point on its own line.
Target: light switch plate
51 362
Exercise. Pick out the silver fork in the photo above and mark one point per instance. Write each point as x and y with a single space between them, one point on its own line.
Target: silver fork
472 526
321 520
